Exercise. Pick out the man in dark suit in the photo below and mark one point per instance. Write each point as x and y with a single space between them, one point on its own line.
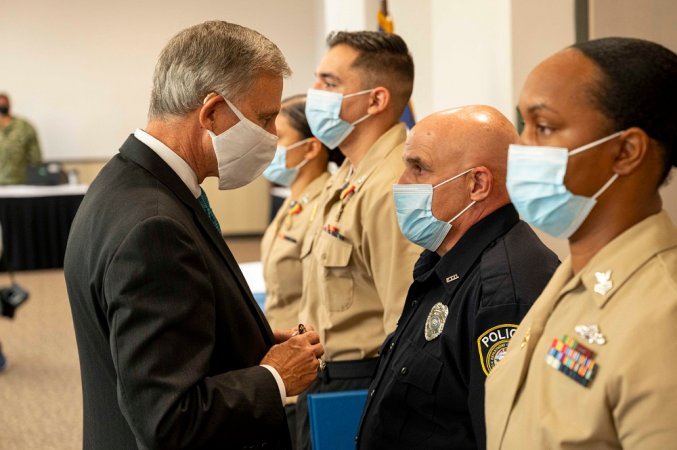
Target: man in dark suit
174 352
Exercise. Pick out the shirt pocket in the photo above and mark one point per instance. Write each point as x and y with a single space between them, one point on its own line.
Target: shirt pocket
289 281
416 374
333 255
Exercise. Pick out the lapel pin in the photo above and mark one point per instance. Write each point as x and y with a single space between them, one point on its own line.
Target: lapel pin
525 339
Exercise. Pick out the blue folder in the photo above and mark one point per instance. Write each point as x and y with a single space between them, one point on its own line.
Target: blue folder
334 419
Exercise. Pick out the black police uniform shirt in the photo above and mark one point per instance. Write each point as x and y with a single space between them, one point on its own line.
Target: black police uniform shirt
428 391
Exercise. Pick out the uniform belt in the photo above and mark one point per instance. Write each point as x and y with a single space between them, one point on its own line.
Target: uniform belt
345 370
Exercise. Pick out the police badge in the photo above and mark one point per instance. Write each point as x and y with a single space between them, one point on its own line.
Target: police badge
434 324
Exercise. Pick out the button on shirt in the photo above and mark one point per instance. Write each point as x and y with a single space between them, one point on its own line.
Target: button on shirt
428 391
628 291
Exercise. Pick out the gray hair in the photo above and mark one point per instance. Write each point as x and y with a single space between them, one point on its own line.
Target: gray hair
213 56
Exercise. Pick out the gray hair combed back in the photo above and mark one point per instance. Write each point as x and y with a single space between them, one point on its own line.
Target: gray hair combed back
213 56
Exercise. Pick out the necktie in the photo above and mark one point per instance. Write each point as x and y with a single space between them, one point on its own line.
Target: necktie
204 202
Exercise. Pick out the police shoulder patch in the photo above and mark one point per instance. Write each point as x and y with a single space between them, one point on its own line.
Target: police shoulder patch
493 343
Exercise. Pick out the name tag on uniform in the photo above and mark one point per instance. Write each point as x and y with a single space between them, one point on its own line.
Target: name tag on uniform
574 360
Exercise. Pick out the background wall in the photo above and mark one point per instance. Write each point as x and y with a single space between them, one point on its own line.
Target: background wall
656 21
81 71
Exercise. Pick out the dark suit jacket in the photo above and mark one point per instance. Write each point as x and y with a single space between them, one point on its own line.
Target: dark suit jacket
168 333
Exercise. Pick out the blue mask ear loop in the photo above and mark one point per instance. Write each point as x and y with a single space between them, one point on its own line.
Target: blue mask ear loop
614 177
452 179
363 118
595 143
292 147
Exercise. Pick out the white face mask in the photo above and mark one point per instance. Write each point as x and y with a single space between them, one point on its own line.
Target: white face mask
243 151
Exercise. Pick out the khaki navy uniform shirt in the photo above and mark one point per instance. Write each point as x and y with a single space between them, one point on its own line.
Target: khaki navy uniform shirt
357 265
19 148
619 390
281 255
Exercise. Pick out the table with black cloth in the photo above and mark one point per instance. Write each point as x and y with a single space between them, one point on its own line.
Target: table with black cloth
35 223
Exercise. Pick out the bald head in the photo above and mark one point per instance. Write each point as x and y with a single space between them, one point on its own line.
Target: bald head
461 138
468 147
472 136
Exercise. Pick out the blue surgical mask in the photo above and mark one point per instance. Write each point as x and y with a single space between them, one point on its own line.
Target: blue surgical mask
535 183
413 203
277 171
323 111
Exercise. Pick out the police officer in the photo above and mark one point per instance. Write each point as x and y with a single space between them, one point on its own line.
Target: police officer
19 145
356 263
481 271
590 365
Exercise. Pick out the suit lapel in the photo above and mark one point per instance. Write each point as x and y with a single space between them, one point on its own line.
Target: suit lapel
139 153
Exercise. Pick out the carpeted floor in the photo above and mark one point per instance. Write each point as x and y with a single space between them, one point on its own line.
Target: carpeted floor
40 398
40 391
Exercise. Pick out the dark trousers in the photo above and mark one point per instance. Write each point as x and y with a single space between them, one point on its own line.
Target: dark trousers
290 412
336 377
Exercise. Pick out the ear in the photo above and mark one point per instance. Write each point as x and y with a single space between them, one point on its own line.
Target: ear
313 148
207 115
635 144
379 100
480 183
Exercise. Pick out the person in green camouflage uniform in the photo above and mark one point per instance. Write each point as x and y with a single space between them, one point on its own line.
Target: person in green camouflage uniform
18 145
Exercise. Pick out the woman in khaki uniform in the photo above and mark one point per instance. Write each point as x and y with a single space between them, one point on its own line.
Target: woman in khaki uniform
590 366
301 164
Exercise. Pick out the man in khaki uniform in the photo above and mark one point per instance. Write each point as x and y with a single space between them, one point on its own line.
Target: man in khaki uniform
19 145
357 264
590 366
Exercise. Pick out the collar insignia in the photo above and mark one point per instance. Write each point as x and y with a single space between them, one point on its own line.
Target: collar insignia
604 283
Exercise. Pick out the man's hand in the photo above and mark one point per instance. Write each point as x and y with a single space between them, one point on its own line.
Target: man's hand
296 360
284 334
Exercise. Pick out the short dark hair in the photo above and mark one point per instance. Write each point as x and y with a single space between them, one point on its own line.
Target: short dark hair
638 89
294 109
384 59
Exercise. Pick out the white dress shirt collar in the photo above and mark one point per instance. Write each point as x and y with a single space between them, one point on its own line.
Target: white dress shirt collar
174 161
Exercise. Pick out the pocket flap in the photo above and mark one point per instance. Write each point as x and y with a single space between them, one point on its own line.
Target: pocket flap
419 369
333 252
